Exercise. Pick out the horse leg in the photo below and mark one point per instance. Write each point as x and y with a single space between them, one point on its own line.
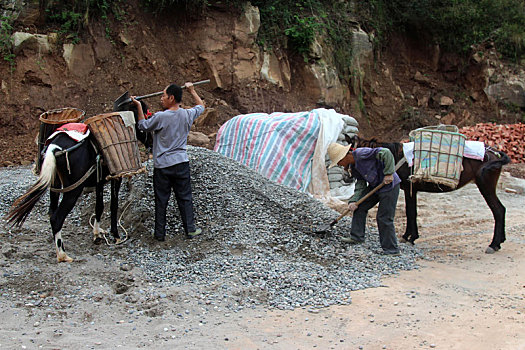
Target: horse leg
99 209
487 184
53 203
115 188
411 232
57 221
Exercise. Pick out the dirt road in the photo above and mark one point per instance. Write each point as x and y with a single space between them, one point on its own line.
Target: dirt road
459 298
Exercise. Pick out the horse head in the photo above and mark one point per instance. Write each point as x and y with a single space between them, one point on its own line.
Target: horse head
144 137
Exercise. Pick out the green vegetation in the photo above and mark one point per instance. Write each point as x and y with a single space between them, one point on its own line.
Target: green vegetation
455 25
190 7
74 16
6 45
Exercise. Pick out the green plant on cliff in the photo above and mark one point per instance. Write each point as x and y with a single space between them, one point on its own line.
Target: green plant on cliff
292 24
74 16
190 7
6 44
455 25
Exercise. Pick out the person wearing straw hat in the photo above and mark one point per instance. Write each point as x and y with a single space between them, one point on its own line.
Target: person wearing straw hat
371 167
171 164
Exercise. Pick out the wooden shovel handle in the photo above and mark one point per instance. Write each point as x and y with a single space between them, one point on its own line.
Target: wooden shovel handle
358 202
398 165
161 92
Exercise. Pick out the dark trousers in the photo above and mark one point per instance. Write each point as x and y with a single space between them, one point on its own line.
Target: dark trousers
176 177
385 219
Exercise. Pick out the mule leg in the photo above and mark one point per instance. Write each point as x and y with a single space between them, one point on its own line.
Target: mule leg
57 221
411 232
115 188
487 186
99 209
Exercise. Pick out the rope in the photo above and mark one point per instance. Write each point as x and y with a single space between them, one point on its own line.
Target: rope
76 184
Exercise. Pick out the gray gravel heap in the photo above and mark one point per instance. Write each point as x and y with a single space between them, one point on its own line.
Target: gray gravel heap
258 244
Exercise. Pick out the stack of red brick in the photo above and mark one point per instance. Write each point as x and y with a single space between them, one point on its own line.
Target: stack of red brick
509 138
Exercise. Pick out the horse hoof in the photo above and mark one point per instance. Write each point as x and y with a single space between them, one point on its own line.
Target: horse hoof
402 240
97 240
490 250
64 258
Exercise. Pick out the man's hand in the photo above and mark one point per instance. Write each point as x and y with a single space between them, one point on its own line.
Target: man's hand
191 90
135 101
388 179
352 206
140 112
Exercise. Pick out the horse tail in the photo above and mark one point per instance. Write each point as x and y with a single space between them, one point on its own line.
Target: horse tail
501 159
25 203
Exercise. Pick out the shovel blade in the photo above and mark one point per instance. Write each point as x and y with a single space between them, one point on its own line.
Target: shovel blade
121 101
323 229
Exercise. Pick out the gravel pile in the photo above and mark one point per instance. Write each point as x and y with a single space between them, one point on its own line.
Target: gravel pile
258 245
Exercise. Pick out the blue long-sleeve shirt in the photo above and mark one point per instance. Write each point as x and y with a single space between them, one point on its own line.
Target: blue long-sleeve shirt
371 166
170 134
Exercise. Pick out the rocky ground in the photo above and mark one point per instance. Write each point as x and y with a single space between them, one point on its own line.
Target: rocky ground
259 277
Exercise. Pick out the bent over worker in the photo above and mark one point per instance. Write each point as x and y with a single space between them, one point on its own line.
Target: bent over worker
170 130
371 167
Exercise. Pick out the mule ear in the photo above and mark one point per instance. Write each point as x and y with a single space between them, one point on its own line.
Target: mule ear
350 139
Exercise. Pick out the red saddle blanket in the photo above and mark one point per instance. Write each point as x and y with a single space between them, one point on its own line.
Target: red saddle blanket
78 127
76 131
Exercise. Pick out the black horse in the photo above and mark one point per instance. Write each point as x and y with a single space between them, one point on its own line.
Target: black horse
484 174
72 166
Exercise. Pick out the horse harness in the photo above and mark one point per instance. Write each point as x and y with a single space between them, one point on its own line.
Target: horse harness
95 167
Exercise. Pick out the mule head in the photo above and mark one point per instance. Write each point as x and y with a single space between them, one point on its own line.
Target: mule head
356 142
352 140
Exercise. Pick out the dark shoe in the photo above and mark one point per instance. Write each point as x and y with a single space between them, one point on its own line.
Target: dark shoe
194 233
350 240
160 238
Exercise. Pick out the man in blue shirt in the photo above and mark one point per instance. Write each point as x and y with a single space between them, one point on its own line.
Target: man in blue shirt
371 167
170 130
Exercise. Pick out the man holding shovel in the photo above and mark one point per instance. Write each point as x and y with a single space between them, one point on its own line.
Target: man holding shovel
170 130
372 167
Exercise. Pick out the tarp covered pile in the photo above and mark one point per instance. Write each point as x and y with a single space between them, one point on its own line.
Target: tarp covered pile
288 148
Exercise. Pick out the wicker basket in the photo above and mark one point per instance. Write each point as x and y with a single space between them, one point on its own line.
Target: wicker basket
438 155
52 120
118 144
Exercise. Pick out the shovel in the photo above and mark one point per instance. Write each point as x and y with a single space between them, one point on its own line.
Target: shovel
326 228
124 99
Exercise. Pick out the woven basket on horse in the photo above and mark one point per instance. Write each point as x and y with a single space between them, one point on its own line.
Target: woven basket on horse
52 120
116 138
438 154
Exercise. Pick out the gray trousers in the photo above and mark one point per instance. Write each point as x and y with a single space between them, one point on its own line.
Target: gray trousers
385 219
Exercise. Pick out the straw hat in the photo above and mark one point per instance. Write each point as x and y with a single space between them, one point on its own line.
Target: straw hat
336 152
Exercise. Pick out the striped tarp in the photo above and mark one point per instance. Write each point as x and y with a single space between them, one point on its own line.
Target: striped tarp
279 146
